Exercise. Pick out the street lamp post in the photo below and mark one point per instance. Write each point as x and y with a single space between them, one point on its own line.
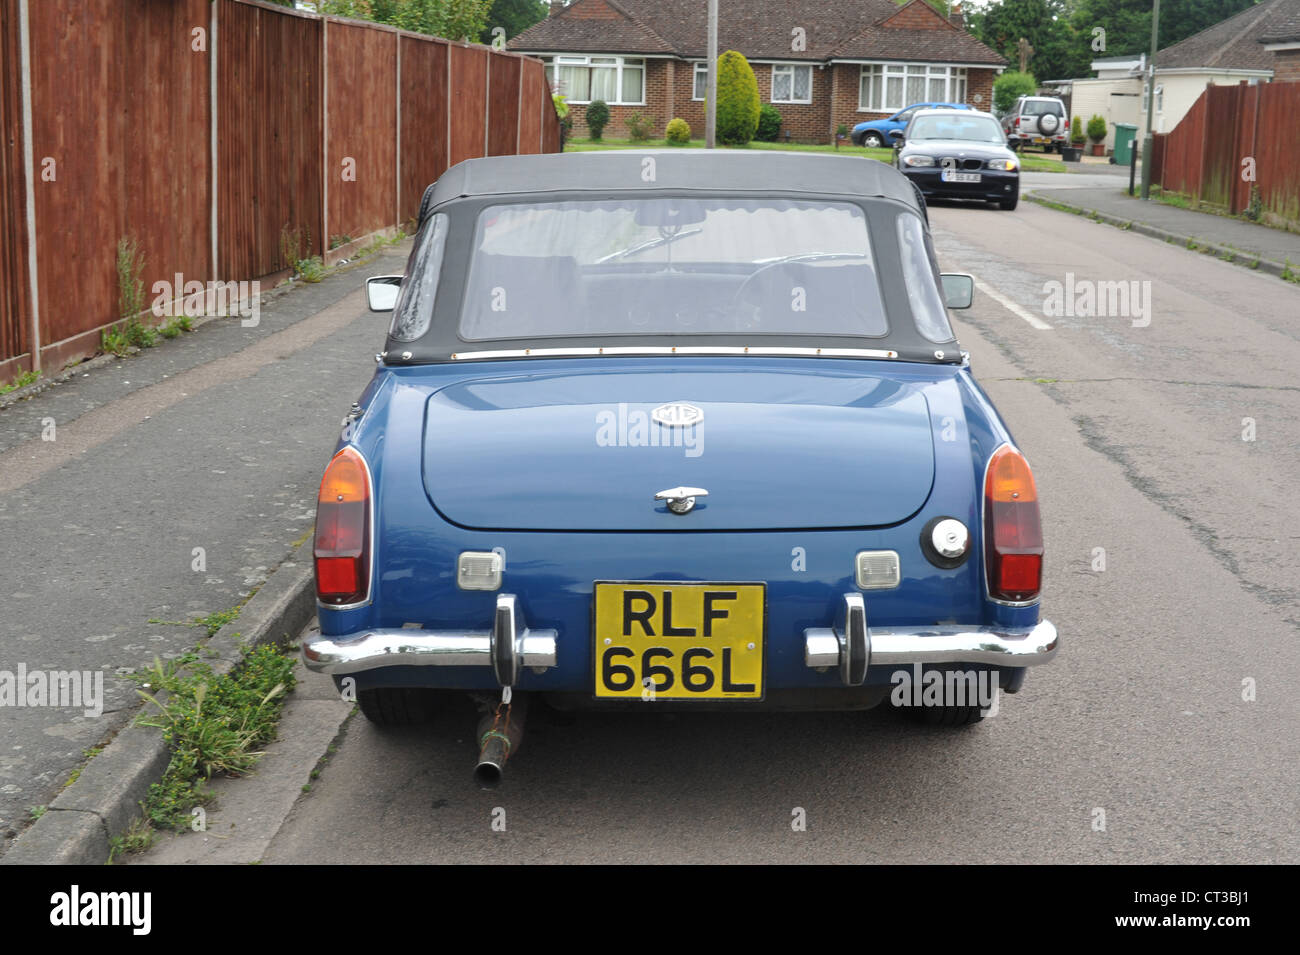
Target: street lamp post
1151 103
711 96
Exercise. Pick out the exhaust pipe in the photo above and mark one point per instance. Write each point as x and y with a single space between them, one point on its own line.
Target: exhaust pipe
499 735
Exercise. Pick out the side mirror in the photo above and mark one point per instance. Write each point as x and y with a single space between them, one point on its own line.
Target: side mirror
958 289
381 292
897 136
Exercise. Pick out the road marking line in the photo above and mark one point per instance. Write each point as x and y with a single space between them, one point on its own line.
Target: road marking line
1011 306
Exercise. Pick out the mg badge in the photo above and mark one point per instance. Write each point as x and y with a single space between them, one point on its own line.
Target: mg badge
677 414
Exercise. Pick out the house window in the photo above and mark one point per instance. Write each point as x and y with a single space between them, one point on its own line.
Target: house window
887 87
791 84
618 80
701 87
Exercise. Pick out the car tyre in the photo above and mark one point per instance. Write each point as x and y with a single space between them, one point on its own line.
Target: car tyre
873 140
397 705
1007 205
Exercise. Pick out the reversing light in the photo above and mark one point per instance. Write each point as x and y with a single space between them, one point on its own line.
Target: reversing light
876 569
479 570
342 547
1013 537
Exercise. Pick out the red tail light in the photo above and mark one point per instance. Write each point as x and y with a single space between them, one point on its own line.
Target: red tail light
1013 538
1016 121
342 548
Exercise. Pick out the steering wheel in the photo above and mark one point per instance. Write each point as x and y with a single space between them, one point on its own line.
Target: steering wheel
749 317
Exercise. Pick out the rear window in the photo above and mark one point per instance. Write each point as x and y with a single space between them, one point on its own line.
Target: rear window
671 266
980 129
1042 107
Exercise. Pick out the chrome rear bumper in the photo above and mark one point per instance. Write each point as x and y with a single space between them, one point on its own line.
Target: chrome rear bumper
852 647
507 647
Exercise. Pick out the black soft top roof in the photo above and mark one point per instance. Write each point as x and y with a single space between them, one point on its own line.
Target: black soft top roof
708 170
475 183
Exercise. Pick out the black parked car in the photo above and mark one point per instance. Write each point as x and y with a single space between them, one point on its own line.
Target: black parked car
958 154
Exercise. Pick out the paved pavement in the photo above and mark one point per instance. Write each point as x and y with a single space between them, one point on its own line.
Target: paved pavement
1253 241
216 441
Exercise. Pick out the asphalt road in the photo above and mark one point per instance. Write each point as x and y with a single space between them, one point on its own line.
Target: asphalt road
1137 744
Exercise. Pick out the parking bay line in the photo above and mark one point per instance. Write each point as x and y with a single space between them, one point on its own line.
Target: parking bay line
1011 306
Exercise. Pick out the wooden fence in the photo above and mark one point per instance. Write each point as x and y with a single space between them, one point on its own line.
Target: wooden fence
1237 146
207 131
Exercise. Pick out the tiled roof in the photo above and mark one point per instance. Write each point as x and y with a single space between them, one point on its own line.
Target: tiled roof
1284 26
1233 44
888 43
760 29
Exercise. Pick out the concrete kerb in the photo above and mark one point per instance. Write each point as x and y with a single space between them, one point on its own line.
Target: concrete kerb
1234 256
80 822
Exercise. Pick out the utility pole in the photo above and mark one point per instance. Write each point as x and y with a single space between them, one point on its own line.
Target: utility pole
711 96
1151 103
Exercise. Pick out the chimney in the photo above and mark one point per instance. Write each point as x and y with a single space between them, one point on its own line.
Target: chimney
955 16
556 7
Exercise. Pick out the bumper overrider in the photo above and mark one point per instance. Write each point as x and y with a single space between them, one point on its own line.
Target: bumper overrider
850 646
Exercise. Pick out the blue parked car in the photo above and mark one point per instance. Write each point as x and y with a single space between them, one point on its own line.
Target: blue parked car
876 132
676 429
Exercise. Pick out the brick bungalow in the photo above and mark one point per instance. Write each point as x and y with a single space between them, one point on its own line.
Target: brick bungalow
819 62
1282 38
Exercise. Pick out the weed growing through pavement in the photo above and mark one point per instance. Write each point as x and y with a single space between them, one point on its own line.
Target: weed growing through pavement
310 269
130 332
139 837
22 381
212 725
89 754
213 621
176 326
292 244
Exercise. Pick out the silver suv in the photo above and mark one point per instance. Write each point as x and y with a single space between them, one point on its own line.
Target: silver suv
1039 121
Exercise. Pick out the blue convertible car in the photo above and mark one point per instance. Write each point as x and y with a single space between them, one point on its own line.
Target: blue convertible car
675 429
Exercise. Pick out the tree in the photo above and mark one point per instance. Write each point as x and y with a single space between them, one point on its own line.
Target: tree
454 19
1009 87
1058 54
738 104
1127 23
513 16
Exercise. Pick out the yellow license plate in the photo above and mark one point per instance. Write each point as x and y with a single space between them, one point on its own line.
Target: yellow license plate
679 641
